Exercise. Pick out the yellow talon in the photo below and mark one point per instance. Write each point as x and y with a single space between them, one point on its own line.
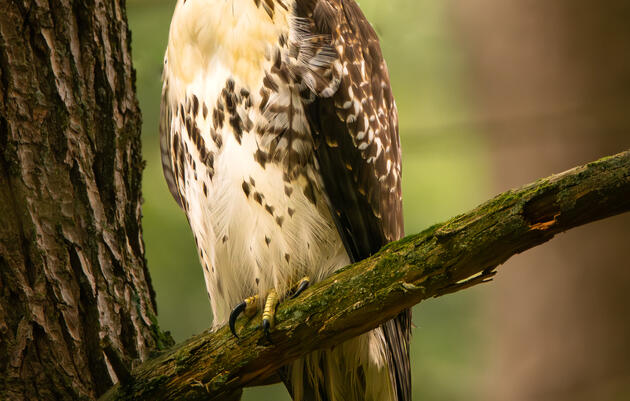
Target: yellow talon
269 312
251 306
301 286
270 307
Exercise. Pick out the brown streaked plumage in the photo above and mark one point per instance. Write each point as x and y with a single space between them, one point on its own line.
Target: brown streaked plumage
284 139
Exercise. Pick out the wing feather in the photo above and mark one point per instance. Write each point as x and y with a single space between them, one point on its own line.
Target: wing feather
166 115
355 129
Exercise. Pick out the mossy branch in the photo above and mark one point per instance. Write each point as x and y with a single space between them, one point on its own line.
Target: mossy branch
443 259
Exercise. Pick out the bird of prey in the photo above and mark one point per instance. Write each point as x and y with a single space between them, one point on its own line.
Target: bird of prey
279 140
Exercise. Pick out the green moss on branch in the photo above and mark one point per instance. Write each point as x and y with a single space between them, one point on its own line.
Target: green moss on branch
445 258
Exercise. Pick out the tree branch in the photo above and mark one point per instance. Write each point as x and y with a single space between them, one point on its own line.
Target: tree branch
443 259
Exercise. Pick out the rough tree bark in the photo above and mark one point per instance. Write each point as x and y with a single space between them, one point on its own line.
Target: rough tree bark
442 259
72 271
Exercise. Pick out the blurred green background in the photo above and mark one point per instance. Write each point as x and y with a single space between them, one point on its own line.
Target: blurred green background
445 172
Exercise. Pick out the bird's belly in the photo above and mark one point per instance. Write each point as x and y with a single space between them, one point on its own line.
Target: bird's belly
244 161
256 227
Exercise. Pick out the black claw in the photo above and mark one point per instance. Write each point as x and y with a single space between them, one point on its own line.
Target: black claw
234 314
303 285
266 326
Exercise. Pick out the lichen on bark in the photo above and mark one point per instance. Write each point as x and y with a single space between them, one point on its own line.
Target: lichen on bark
444 258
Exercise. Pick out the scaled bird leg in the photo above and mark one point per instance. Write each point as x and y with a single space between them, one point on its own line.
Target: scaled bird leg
272 302
249 306
270 312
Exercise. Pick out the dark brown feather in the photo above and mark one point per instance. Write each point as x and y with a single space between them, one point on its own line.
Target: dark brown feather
165 144
362 179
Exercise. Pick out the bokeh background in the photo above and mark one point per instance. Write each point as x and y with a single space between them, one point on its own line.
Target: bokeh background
491 95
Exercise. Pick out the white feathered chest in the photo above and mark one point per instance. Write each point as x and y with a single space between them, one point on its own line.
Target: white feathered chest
242 153
274 113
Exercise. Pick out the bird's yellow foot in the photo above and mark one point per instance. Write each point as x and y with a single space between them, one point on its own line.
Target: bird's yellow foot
301 286
249 307
269 313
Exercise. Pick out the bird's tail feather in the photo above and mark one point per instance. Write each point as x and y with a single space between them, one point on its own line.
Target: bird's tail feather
356 370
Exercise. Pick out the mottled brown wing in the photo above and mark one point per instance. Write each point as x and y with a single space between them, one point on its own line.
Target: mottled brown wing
355 129
165 144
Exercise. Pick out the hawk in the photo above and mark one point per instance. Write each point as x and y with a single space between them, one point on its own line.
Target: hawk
279 140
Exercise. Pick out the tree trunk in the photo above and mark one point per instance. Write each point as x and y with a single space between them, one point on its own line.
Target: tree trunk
72 270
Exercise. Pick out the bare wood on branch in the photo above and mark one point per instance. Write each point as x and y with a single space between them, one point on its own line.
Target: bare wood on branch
445 258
